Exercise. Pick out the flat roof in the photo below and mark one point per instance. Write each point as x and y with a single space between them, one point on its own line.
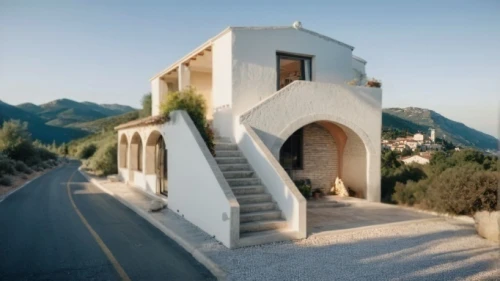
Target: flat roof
210 41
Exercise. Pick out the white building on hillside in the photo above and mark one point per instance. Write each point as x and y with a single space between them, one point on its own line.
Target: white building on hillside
415 159
281 109
418 137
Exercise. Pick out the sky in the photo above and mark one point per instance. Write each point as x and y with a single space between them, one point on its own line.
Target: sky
441 55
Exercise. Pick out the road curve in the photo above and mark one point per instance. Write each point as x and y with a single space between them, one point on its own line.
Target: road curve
42 237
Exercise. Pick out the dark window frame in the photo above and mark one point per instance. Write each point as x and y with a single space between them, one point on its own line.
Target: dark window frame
294 149
302 58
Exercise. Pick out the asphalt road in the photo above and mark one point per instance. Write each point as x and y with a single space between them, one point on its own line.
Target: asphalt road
46 234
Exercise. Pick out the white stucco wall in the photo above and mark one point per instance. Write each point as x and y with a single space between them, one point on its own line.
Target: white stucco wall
302 102
254 62
202 81
355 163
358 67
159 90
197 189
222 85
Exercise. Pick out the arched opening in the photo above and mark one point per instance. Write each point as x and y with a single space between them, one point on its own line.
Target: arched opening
322 151
156 161
123 151
136 153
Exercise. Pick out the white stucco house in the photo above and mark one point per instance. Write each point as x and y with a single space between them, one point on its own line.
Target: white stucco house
416 159
281 110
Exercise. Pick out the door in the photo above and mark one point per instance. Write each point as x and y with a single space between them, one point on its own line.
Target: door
161 167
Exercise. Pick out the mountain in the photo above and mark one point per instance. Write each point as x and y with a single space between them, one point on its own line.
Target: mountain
106 124
110 109
30 107
37 127
63 112
416 119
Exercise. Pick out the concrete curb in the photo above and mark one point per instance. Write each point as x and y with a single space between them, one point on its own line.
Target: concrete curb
3 197
214 268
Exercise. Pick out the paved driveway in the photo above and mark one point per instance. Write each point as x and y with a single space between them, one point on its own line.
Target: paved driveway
355 213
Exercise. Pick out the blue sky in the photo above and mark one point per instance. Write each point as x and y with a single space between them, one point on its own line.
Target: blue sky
441 55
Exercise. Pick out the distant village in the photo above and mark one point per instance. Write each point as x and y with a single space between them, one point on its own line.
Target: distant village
414 149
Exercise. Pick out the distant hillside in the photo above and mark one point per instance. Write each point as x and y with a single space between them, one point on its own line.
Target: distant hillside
37 127
63 112
416 119
106 124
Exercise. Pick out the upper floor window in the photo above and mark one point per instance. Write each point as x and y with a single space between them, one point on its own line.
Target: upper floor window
291 68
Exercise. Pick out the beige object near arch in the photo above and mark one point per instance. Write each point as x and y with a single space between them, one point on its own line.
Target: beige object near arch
339 188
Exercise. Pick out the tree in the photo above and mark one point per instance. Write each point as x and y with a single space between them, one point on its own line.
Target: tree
390 160
15 140
146 102
406 152
195 106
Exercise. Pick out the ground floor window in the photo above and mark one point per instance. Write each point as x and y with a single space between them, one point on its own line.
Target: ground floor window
291 153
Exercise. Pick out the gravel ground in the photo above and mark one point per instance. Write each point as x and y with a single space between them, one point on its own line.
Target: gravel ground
447 249
433 250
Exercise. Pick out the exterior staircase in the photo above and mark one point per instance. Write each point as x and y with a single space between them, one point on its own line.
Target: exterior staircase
259 214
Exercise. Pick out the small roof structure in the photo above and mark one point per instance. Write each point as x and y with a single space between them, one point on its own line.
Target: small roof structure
150 120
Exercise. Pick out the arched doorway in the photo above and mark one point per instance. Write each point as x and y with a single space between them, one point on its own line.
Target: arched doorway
136 153
157 161
321 151
123 152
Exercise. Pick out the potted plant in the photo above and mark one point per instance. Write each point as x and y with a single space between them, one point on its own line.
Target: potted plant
317 193
304 187
373 83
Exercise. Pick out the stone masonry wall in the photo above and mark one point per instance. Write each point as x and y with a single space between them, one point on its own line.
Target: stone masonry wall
320 158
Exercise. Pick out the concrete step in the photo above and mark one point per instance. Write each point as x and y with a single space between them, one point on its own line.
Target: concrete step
226 146
237 174
243 181
254 198
258 207
234 167
248 189
269 236
262 225
227 153
259 216
230 160
224 140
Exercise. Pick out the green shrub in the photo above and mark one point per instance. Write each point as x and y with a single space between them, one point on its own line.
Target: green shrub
23 168
87 151
15 140
7 165
410 194
45 154
194 104
5 180
104 162
304 186
402 174
463 190
43 166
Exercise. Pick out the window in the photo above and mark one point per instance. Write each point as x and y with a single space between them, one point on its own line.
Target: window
292 151
291 68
